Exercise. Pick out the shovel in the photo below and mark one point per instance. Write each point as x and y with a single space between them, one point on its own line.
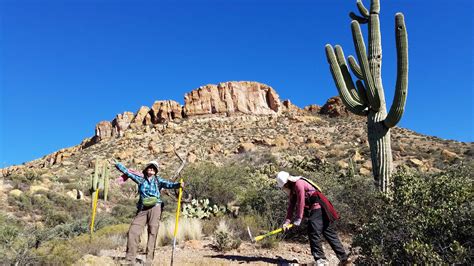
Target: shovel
180 195
260 237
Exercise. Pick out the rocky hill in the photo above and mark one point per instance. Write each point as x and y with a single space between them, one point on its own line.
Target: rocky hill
232 118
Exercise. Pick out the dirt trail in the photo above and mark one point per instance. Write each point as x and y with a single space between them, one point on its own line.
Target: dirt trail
201 253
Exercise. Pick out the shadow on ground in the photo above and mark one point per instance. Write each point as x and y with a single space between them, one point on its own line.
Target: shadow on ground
248 259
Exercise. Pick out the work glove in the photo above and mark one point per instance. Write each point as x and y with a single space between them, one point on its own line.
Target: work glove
297 222
285 225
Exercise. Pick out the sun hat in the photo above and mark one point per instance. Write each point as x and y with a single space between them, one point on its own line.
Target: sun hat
153 164
283 177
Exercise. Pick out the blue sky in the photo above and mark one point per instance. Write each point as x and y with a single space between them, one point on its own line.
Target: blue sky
66 65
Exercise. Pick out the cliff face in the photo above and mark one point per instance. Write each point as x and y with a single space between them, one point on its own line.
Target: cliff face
228 98
232 97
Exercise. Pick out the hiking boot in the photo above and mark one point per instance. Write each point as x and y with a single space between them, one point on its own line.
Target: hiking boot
347 261
321 262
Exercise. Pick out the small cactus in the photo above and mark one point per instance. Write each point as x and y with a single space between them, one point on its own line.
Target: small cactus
100 180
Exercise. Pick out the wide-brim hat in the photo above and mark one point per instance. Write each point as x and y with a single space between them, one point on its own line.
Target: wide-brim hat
153 164
283 177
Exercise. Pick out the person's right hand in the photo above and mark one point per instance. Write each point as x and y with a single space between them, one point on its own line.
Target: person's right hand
285 226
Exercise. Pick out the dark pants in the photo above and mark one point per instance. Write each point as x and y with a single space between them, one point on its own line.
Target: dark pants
318 224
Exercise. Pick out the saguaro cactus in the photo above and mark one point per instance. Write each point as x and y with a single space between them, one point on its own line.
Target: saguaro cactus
367 97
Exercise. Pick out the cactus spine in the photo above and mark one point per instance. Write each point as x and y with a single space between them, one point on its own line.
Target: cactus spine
367 97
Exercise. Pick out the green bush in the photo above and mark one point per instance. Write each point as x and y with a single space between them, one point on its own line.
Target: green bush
268 203
426 219
124 213
221 185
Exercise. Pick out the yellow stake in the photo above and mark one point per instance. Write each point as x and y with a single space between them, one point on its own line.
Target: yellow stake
180 194
94 208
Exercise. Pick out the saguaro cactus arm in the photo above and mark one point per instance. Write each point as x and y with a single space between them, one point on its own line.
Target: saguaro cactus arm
355 67
398 105
352 105
341 60
363 11
361 20
372 95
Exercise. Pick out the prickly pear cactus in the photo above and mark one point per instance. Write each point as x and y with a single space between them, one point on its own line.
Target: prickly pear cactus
201 209
366 96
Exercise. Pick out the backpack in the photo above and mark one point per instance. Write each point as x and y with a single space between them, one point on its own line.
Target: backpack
319 197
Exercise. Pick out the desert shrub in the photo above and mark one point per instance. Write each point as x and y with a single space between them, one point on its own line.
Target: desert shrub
67 251
268 203
53 218
350 196
27 177
23 202
426 219
210 225
16 242
224 238
124 213
220 185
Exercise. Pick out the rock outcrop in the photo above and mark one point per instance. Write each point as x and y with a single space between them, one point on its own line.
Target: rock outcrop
122 122
334 108
104 130
142 117
163 111
226 98
232 97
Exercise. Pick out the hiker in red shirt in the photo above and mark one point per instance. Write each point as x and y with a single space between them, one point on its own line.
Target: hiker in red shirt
305 197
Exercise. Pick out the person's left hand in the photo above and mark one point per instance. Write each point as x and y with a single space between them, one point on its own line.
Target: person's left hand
181 184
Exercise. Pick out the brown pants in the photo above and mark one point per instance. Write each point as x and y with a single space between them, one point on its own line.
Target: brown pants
150 217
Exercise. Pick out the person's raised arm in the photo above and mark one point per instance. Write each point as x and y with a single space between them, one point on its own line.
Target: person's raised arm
136 178
167 184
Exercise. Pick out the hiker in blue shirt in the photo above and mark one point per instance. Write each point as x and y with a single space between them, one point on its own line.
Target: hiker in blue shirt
149 208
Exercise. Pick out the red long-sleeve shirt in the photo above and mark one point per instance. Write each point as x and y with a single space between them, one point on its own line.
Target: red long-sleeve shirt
297 198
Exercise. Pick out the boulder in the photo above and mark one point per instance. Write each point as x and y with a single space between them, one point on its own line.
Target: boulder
448 155
246 147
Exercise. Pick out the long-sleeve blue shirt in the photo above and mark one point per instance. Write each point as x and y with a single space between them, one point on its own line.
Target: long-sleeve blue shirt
147 187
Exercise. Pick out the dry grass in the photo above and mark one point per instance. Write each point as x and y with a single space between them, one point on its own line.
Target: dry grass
188 229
